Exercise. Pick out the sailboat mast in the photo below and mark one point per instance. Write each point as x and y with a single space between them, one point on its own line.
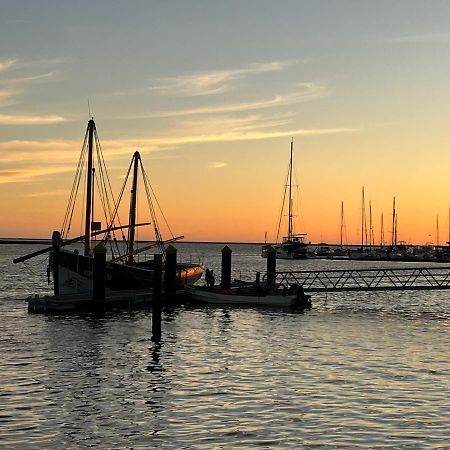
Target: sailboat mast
342 219
437 230
370 225
290 195
88 217
382 231
394 237
363 213
133 199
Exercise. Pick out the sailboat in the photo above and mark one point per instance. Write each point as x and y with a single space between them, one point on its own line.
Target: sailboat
293 245
72 271
341 252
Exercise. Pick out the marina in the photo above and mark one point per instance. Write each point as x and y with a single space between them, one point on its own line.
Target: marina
177 268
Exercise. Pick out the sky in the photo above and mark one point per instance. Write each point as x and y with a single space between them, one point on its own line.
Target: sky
211 94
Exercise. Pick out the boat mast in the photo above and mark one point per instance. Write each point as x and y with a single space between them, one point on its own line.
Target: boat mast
382 231
437 230
394 237
342 219
87 225
290 195
370 225
132 216
363 214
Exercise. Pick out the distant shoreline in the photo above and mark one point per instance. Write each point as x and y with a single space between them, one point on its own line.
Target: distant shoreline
48 242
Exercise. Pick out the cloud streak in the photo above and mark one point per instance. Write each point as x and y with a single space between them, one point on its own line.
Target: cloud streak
13 87
213 82
432 38
303 92
217 165
20 151
26 174
6 64
6 119
27 160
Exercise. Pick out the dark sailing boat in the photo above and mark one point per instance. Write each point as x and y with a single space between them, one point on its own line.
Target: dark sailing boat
72 271
293 245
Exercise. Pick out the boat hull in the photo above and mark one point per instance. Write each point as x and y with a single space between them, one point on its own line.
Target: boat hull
75 274
231 297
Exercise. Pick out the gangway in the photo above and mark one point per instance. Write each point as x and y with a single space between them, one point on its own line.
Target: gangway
378 279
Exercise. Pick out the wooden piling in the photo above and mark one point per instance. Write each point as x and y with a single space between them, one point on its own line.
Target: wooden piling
156 301
99 276
271 266
54 264
226 268
170 272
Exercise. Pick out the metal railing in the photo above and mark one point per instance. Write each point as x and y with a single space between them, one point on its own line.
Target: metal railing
380 279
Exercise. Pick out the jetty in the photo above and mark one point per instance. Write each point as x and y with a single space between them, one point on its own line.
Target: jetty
378 279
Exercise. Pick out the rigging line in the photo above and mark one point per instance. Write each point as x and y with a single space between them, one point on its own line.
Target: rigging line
156 199
99 176
80 174
282 207
101 194
103 171
74 190
118 203
158 236
31 270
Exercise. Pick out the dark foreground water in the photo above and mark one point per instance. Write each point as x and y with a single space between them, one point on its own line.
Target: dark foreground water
358 370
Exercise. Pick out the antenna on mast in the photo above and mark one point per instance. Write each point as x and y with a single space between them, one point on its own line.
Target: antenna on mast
89 109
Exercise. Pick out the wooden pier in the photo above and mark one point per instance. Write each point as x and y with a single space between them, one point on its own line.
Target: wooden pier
378 279
84 302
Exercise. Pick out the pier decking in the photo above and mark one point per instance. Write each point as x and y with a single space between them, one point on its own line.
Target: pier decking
379 279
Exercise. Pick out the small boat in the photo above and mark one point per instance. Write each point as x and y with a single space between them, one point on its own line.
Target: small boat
293 246
252 295
323 250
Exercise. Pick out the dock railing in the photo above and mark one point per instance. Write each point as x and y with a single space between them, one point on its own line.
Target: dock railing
375 279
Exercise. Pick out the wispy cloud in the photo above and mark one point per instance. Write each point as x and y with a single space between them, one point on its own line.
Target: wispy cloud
302 92
27 174
6 64
7 97
16 85
213 82
432 38
65 151
6 119
46 193
217 165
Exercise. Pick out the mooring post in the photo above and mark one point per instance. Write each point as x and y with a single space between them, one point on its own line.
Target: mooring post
99 276
170 272
156 301
53 265
225 282
271 266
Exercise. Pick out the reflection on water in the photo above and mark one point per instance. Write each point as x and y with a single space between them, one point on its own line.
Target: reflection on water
358 370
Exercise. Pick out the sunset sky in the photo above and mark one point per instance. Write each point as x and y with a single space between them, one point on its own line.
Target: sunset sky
211 94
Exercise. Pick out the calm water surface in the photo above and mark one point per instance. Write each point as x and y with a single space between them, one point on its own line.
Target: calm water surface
358 370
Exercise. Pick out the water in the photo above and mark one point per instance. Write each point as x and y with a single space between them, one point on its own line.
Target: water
367 370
